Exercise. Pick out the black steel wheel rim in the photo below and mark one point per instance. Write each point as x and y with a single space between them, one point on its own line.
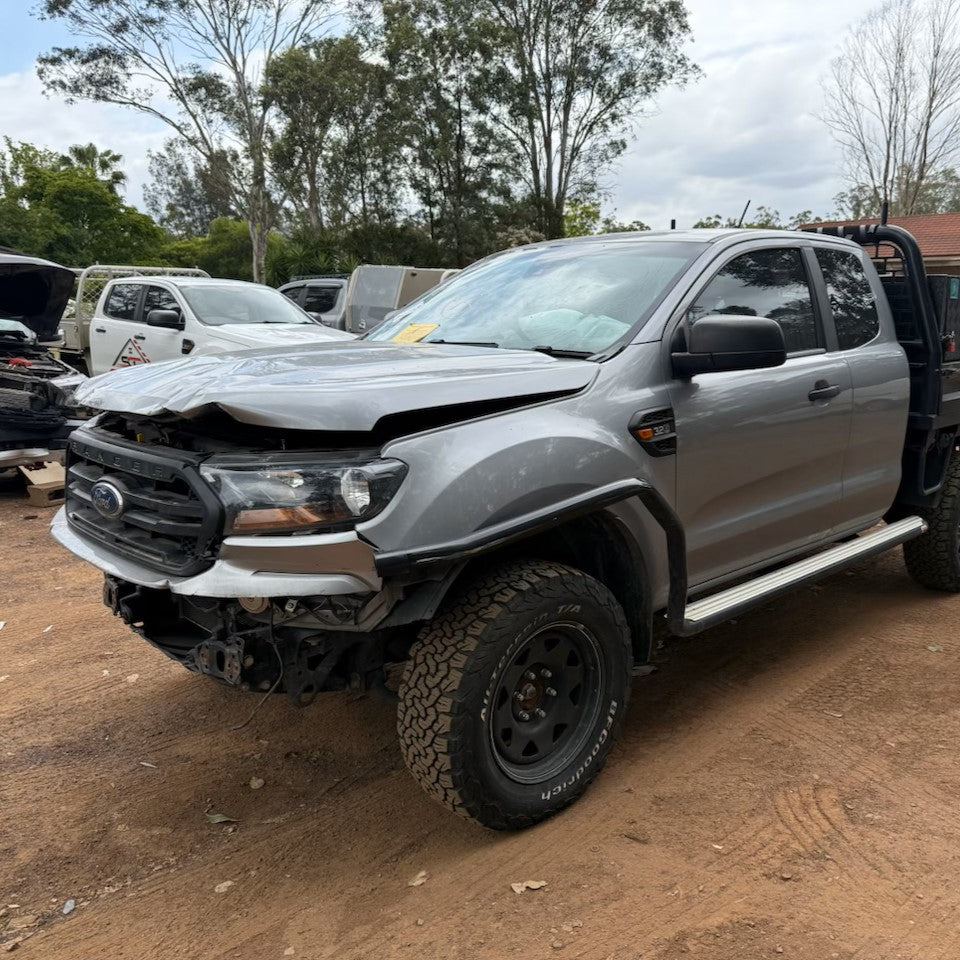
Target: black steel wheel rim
545 702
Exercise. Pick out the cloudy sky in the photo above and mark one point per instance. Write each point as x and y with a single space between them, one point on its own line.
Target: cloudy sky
747 130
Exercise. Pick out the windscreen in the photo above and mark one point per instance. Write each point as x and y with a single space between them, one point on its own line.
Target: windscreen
578 298
14 330
219 305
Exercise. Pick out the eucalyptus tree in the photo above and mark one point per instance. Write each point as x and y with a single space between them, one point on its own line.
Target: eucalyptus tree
892 102
186 192
576 78
197 66
462 170
336 146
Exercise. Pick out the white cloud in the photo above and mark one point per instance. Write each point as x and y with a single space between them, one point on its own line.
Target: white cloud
748 128
27 115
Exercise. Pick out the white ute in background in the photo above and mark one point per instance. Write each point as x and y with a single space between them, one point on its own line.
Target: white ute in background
144 319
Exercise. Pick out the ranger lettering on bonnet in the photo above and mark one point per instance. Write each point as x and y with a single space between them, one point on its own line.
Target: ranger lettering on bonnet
496 491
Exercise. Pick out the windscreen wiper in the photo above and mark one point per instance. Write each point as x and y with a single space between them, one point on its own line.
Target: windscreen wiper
561 352
466 343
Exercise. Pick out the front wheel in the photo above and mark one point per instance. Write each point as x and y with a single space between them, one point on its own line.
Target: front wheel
513 695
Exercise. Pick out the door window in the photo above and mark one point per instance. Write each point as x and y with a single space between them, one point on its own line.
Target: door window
852 301
320 299
764 283
293 293
122 301
159 299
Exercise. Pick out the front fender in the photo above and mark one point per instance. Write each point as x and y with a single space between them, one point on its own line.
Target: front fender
479 474
471 477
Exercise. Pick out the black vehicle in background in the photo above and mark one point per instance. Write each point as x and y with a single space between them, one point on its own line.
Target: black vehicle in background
36 388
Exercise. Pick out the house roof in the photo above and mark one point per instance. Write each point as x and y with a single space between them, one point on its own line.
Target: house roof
938 234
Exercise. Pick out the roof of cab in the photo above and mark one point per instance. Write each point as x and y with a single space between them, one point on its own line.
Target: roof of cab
698 235
191 281
721 237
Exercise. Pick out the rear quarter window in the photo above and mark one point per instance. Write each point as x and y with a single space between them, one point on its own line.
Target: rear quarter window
852 301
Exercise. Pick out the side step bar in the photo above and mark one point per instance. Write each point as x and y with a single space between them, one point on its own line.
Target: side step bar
714 609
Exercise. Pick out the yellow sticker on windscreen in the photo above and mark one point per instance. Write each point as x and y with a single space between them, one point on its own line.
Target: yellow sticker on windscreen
414 332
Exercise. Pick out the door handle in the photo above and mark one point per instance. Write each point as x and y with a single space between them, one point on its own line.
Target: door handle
139 336
823 391
99 329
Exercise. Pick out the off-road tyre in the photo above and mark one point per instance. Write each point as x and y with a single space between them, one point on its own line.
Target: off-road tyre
933 558
464 659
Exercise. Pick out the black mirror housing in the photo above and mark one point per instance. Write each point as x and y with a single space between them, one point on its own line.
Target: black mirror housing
728 342
171 319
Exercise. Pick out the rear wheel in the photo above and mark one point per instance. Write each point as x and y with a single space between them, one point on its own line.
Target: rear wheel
513 695
933 559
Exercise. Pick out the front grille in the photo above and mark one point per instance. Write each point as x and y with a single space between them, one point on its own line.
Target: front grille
171 520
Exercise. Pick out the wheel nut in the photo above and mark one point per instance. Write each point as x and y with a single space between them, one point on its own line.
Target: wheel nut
529 675
540 713
518 695
546 674
550 692
523 715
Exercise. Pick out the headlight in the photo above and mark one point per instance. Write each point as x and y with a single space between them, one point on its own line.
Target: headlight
303 496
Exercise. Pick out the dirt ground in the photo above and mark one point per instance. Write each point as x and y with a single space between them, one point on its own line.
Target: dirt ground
786 786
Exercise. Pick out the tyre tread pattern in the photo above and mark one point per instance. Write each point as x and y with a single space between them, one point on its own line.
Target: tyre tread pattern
446 664
933 559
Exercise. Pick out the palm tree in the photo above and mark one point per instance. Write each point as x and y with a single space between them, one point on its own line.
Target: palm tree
103 164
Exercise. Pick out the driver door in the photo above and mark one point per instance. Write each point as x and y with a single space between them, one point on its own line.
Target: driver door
160 343
113 330
760 452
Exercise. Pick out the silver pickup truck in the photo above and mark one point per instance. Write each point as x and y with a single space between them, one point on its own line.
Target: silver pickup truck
494 494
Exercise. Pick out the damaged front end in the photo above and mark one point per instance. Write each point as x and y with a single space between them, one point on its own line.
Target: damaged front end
291 644
241 566
232 501
37 409
37 412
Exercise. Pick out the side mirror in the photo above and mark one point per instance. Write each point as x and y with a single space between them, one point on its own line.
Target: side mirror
171 319
729 342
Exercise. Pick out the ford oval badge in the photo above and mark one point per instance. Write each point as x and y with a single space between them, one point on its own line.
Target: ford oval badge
107 499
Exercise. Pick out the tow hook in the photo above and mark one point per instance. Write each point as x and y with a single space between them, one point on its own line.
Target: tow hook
111 595
220 659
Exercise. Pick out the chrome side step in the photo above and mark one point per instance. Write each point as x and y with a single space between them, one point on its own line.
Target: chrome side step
728 603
